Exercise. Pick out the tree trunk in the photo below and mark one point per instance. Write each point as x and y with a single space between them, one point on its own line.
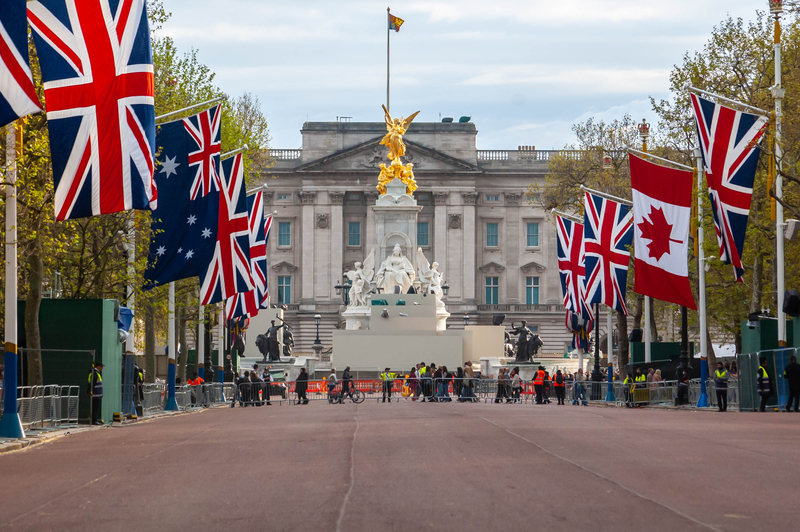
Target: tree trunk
149 342
712 356
624 345
758 275
184 353
653 327
638 312
32 334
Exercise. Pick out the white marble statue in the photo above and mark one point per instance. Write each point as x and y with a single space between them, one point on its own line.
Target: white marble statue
396 270
430 277
361 278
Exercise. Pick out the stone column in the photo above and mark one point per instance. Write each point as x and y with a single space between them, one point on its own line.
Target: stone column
440 231
512 248
307 240
469 199
336 241
369 234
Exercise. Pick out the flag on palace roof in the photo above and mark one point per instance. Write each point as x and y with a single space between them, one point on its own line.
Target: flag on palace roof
228 273
249 303
662 214
607 236
17 94
571 266
395 22
184 229
97 68
729 143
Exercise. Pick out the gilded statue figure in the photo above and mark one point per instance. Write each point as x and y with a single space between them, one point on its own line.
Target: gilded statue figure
396 128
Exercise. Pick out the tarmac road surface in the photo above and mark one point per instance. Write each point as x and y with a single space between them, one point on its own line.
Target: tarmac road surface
409 466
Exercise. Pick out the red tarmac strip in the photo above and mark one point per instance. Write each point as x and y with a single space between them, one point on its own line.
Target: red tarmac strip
411 466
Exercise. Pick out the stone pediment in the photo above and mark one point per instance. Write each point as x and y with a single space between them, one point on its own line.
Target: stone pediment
492 267
535 266
284 266
367 157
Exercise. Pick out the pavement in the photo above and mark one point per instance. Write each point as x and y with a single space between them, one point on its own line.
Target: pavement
410 466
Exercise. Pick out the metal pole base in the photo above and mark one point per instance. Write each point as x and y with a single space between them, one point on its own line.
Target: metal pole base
172 405
11 426
703 401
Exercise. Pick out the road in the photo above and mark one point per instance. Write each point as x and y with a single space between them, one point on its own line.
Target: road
410 466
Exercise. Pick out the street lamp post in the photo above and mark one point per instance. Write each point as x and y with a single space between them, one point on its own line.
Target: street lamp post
466 320
776 9
644 135
317 346
343 289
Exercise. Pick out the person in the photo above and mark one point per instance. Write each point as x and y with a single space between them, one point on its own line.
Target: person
538 385
413 383
437 384
387 378
683 386
657 377
301 387
580 390
446 378
629 386
95 391
640 377
502 379
257 386
466 390
429 375
721 386
194 382
558 384
347 383
420 383
547 387
764 384
332 382
792 375
138 382
458 381
650 374
516 386
734 371
237 394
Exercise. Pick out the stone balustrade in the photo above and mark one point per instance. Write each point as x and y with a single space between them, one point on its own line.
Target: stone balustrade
284 154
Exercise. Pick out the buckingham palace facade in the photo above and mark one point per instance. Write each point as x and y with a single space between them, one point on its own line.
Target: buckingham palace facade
497 252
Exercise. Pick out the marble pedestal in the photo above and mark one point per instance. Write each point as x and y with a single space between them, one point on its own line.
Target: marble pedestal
396 223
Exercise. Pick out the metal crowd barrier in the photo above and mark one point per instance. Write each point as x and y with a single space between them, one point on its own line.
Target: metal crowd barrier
711 390
50 406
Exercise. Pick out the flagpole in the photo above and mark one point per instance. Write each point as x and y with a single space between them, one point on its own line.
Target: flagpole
172 404
195 106
609 340
701 271
644 134
10 424
201 342
388 38
777 93
221 346
130 340
233 152
606 196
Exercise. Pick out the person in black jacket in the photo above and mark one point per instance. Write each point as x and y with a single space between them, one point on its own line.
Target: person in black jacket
301 386
347 383
792 374
764 384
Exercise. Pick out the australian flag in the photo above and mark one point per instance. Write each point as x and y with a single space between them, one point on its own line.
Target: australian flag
17 95
729 144
185 229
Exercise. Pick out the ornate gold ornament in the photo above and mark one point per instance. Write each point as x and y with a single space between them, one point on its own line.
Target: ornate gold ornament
396 128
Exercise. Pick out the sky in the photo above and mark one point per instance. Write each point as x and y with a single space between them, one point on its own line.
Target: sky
523 70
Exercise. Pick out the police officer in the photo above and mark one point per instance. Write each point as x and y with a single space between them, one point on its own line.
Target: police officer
721 385
764 384
387 378
629 387
95 391
792 374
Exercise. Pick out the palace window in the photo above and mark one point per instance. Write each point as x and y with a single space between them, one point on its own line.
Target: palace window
283 197
492 197
284 234
422 234
354 234
533 235
492 235
492 286
532 290
284 289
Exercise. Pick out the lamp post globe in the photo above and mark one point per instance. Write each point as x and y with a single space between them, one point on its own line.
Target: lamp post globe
775 6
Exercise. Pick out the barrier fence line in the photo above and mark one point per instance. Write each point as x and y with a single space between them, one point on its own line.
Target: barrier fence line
44 407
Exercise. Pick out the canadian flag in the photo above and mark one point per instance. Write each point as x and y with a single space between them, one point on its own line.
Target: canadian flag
662 213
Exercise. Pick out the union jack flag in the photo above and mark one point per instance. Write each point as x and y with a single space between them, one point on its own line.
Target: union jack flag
206 133
607 237
571 266
97 68
17 95
729 144
249 303
229 270
581 329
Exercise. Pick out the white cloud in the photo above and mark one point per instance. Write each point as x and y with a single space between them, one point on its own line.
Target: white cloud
572 79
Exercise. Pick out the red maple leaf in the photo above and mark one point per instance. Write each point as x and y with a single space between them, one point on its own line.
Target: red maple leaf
658 231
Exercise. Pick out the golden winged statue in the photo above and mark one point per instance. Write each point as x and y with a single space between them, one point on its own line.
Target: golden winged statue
395 129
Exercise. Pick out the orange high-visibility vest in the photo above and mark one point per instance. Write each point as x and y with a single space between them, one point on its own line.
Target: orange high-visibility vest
539 377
